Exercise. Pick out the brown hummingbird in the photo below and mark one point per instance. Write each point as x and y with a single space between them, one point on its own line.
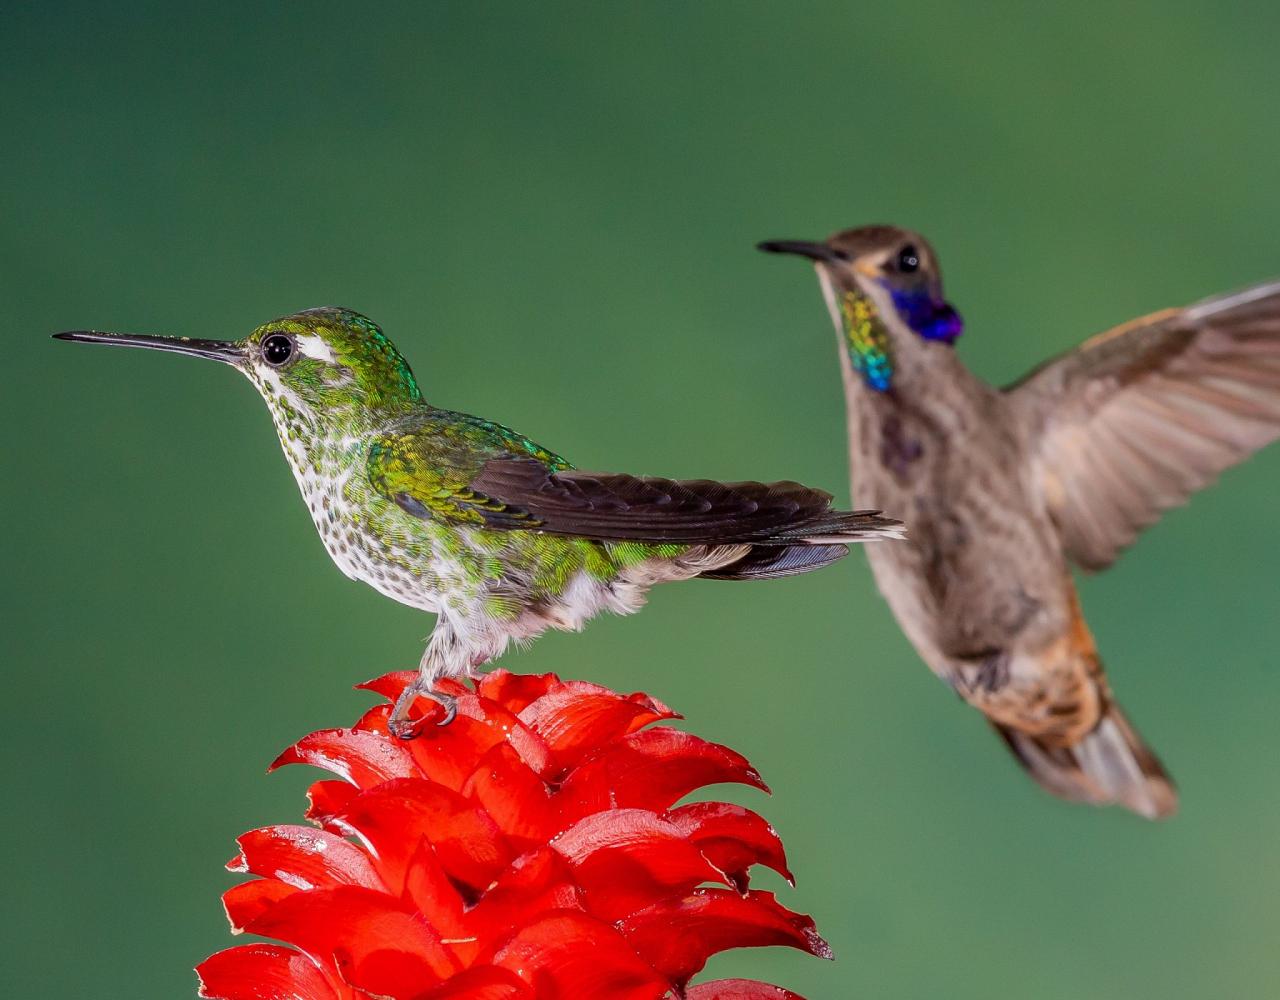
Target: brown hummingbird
1003 489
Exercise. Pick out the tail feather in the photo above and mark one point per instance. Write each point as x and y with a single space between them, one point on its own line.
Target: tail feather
769 562
837 527
807 545
1111 765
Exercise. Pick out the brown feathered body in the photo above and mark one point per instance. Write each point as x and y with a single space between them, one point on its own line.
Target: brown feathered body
1003 490
982 587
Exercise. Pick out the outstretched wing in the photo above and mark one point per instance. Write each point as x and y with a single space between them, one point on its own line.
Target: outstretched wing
1136 419
434 471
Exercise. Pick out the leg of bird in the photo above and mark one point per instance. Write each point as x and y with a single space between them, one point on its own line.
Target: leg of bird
994 672
981 676
439 659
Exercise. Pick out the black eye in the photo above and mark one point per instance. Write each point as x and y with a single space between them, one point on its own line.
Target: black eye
908 259
277 349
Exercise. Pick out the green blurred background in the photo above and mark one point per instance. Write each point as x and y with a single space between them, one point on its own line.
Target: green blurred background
551 209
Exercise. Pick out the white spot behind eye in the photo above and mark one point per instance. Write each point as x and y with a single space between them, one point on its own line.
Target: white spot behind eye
315 347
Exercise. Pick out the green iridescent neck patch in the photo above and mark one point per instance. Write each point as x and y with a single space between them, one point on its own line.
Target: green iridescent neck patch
868 341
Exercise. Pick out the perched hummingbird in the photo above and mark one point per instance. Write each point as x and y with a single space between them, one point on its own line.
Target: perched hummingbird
1003 489
496 535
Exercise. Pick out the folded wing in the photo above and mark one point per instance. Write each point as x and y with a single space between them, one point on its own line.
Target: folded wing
459 470
619 507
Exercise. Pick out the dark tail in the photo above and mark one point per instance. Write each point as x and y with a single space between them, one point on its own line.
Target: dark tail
769 562
1111 765
838 527
808 546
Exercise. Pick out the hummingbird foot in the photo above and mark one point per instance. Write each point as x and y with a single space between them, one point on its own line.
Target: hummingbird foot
993 674
443 657
976 677
401 726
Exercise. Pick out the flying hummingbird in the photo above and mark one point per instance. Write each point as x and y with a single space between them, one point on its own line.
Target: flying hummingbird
460 516
1003 489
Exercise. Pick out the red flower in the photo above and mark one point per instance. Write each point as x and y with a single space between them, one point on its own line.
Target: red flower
527 851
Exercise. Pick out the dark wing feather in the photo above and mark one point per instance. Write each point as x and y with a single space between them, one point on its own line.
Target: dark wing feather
1137 419
618 507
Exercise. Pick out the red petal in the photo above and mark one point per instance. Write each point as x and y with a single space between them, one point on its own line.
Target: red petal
365 759
304 857
650 769
514 691
732 838
383 972
325 798
575 717
485 982
374 720
372 940
677 936
262 972
536 883
393 817
627 859
428 888
389 685
516 798
448 754
739 989
246 902
569 954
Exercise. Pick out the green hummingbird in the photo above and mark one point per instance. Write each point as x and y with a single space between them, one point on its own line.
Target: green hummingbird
1004 489
468 519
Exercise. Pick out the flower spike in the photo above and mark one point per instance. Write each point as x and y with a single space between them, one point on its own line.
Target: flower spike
532 850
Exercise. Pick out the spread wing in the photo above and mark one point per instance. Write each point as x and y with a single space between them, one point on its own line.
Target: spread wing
509 484
1135 420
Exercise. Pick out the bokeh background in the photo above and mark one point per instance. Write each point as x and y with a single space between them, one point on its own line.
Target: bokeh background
551 209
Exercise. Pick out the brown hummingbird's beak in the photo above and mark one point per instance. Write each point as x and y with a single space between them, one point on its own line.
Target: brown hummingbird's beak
804 248
226 351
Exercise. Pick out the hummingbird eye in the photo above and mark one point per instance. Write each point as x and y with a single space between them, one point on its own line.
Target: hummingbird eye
277 349
908 259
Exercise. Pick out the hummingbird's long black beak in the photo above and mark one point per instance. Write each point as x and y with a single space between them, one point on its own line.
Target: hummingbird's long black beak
226 351
804 248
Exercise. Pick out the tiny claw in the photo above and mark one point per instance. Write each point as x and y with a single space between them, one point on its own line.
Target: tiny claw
994 673
987 677
402 727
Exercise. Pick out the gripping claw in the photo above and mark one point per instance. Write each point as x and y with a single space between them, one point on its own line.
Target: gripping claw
401 726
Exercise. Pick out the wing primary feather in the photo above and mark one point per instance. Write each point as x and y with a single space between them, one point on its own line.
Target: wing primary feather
1232 300
1135 420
